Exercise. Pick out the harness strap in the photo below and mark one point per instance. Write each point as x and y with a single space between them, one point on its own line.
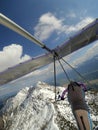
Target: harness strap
77 72
55 75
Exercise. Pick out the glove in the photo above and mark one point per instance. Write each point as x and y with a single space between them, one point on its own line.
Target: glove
62 98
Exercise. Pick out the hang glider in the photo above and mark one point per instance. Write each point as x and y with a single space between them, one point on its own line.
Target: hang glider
84 37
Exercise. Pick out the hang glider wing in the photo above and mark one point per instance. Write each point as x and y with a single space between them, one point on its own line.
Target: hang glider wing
24 68
82 38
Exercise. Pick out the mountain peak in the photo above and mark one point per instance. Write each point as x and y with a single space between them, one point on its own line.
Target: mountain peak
34 108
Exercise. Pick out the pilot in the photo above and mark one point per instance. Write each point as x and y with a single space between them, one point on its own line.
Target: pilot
76 98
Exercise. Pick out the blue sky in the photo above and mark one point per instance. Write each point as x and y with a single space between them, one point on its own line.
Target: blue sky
50 21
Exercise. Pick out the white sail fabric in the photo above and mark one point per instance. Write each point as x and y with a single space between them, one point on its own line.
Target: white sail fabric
84 37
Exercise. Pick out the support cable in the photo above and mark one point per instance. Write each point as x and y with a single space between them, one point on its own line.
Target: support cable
64 71
54 57
77 72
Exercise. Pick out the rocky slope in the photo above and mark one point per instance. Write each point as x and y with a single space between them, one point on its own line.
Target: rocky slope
35 109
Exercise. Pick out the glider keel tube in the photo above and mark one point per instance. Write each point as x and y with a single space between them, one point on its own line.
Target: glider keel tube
15 27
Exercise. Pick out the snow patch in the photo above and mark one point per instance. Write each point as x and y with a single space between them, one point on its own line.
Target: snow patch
34 108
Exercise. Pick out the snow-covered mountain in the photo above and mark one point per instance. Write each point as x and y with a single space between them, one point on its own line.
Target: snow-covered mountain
35 109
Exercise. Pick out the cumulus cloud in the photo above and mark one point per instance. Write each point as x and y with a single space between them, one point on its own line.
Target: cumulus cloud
49 23
11 55
82 23
71 15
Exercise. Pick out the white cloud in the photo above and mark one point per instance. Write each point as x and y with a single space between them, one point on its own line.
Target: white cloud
83 23
73 28
71 15
11 55
48 23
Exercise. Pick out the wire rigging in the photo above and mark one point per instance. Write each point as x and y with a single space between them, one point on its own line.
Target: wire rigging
56 57
64 70
77 72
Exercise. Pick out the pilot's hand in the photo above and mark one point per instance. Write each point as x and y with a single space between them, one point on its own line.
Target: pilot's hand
62 98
